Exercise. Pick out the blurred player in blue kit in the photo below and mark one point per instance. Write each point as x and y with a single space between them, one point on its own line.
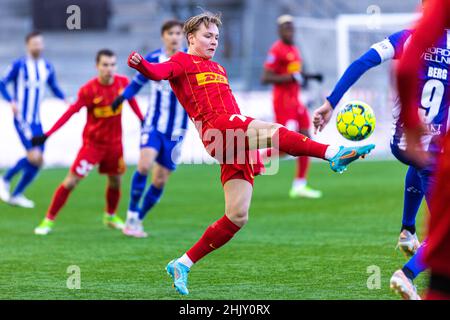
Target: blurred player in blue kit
29 75
162 133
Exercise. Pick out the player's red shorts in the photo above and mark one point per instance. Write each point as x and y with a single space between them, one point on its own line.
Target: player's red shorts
241 163
295 118
110 160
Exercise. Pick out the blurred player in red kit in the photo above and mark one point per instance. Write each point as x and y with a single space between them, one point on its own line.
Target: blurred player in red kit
201 86
283 69
437 252
102 140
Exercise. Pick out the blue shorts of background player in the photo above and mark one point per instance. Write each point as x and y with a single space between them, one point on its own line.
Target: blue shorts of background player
26 132
168 149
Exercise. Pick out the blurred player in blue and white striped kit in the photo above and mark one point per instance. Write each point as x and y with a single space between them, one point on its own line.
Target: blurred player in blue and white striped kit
29 75
162 132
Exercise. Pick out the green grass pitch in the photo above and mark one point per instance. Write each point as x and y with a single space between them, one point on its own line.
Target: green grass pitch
290 249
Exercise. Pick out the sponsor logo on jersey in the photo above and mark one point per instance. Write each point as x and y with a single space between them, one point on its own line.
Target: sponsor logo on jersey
106 111
438 55
434 129
210 77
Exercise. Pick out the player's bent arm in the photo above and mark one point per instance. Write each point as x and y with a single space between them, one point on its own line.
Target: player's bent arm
4 92
74 108
135 107
11 74
132 89
360 66
155 71
376 55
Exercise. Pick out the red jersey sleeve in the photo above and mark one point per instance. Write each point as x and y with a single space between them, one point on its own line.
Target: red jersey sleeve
272 59
436 18
158 71
135 107
73 108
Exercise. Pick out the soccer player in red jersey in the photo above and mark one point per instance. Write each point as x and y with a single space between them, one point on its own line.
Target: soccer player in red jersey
201 85
437 252
102 140
283 69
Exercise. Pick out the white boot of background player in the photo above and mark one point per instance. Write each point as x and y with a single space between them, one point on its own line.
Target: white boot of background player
133 226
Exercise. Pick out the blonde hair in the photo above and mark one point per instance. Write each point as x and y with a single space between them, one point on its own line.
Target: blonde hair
193 23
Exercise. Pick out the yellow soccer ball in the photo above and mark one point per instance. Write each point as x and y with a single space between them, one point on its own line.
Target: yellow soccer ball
355 121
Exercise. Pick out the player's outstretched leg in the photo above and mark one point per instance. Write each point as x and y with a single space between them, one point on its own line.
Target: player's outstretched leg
261 134
238 194
402 280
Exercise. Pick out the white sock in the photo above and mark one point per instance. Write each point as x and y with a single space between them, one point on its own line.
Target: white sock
299 183
186 261
331 152
132 215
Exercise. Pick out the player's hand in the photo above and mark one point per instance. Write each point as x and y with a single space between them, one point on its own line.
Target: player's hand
117 102
414 148
318 77
38 140
134 59
322 116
